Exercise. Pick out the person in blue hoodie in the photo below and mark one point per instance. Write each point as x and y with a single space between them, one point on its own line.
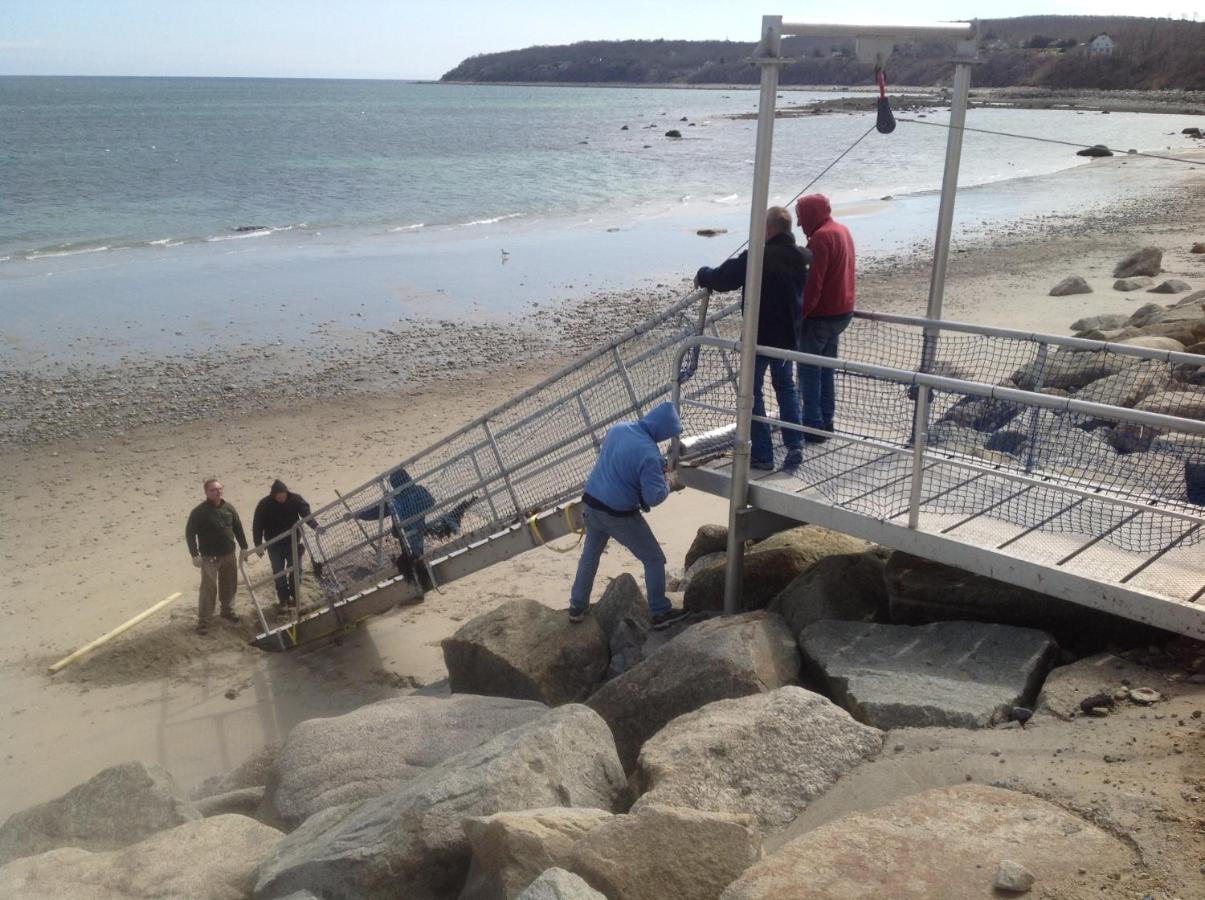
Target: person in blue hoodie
628 479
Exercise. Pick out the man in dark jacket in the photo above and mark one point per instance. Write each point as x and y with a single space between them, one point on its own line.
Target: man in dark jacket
212 529
784 272
628 478
275 514
828 307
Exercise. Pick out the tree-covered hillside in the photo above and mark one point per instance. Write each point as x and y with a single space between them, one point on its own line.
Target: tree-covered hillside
1041 51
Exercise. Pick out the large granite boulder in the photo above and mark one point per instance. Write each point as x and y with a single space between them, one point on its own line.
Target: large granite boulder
714 660
707 561
208 859
1072 284
242 802
526 650
510 849
661 852
1147 314
770 566
557 884
115 808
765 755
1068 686
958 674
982 413
1099 323
1070 369
942 844
921 591
1147 261
1127 388
708 539
849 586
1187 404
410 841
371 750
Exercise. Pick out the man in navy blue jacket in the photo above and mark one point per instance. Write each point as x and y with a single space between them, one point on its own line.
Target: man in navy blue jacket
628 479
784 273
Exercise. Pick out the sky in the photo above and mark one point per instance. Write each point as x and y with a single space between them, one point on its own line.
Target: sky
406 38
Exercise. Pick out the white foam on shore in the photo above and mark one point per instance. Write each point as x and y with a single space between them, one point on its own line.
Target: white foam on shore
492 221
727 199
413 227
75 252
261 232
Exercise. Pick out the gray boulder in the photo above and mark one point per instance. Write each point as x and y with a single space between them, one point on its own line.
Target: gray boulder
1098 323
1187 404
708 539
209 859
1071 369
850 586
511 849
1147 314
942 843
376 748
717 559
1072 284
1154 342
770 566
410 841
956 674
982 413
526 650
623 616
1147 261
921 591
1094 151
115 808
714 660
557 884
765 755
1131 284
1127 388
1171 286
661 852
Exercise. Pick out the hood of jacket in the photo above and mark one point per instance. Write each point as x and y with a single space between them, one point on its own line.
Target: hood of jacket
813 211
662 422
278 487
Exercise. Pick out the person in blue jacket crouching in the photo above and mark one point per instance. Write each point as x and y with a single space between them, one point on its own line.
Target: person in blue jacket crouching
628 479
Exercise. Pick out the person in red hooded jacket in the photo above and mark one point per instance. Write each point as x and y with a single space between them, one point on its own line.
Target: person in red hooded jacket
828 307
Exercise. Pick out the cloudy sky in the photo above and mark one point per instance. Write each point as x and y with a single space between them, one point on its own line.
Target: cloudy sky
403 38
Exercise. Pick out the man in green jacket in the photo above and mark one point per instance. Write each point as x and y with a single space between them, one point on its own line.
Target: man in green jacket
213 527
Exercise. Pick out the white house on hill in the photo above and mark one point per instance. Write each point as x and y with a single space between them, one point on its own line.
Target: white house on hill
1101 45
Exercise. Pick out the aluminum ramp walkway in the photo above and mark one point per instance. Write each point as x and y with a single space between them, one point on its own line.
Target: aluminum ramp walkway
1029 466
505 483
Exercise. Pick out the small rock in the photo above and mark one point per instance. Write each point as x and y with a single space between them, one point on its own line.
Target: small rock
673 133
231 693
1171 286
1198 247
1132 284
1145 696
1072 284
1147 261
711 232
1096 700
1095 150
1012 877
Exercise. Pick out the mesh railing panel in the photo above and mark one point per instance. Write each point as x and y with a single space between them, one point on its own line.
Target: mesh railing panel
1058 452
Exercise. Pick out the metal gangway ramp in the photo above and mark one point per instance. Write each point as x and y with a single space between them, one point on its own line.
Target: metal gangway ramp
504 483
1022 460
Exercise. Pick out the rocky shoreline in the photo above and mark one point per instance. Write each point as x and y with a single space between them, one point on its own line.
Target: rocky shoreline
412 356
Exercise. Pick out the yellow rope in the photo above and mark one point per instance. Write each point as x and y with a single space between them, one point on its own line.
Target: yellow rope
535 532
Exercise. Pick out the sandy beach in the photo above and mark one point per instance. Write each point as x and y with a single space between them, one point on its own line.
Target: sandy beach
96 502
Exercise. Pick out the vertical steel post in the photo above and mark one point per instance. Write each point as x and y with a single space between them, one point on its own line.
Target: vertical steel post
769 58
963 58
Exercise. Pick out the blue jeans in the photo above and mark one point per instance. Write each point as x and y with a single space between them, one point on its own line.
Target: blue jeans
633 533
280 555
762 450
816 388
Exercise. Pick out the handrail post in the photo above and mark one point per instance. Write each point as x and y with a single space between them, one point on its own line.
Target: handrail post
768 56
510 488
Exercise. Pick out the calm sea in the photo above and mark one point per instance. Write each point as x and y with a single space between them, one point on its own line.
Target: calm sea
227 196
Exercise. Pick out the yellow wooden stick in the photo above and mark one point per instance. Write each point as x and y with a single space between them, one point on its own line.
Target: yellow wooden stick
125 626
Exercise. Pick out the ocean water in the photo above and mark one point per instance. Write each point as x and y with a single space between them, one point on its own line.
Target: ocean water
147 215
